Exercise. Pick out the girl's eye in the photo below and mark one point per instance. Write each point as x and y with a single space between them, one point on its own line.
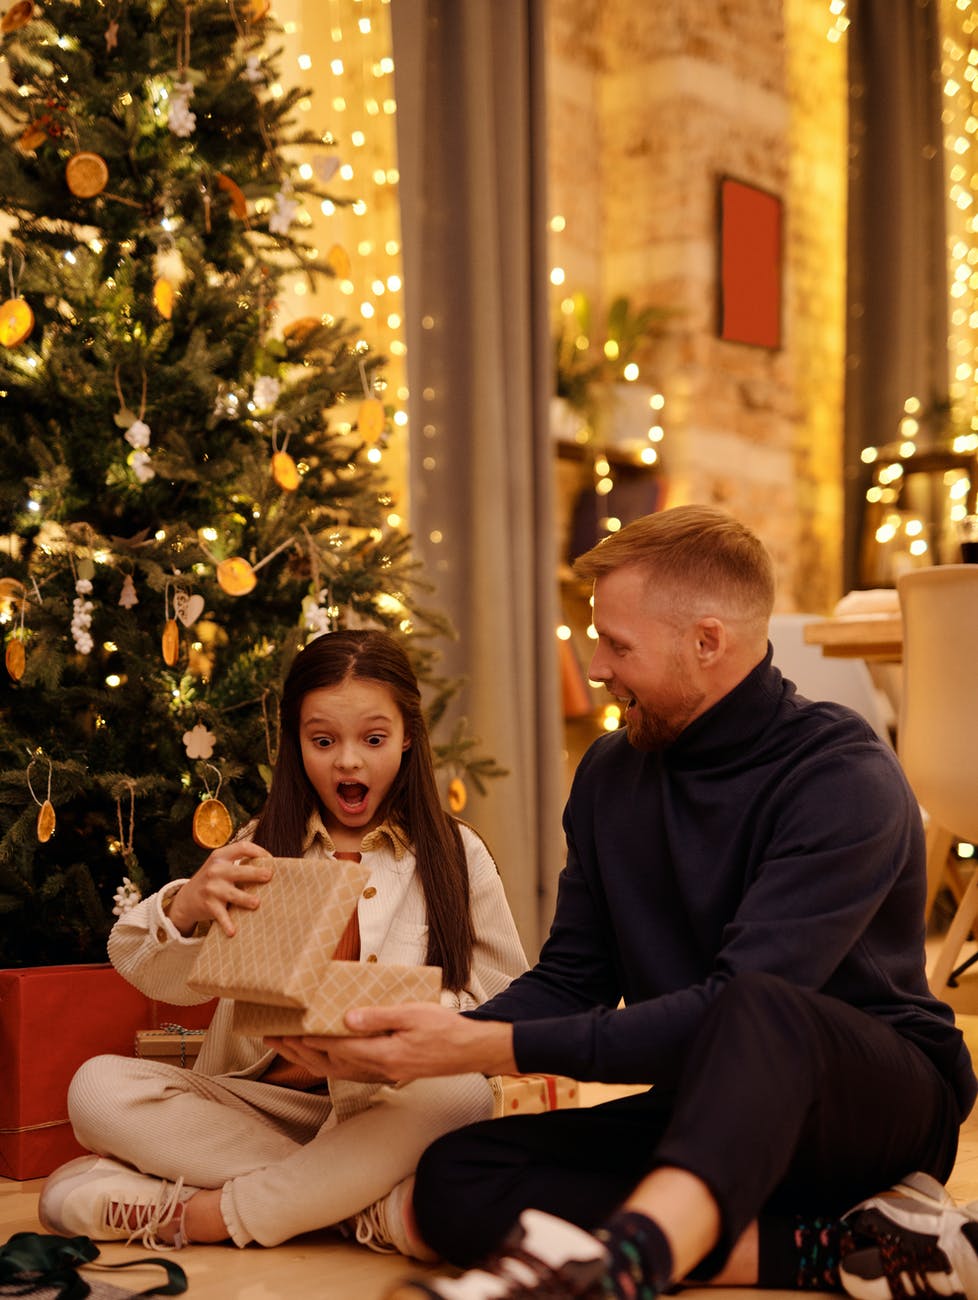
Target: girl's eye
322 742
375 740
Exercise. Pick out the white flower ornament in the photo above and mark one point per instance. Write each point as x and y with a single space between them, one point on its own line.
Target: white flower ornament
138 434
126 897
199 742
182 121
266 392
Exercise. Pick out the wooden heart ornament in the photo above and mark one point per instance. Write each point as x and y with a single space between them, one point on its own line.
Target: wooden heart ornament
187 608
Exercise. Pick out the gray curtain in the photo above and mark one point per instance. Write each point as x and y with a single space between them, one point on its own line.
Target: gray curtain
470 115
897 284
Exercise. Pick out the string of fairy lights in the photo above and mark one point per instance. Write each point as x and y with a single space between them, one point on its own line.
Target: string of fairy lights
342 50
629 421
960 120
912 529
840 21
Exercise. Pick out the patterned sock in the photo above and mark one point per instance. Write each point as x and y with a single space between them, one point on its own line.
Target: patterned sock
801 1252
640 1267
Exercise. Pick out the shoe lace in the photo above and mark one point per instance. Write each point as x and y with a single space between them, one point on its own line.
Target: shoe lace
370 1229
145 1220
904 1260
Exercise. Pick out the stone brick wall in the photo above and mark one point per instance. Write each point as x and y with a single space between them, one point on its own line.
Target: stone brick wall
649 102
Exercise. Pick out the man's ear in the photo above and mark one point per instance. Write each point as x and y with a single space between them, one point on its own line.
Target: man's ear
710 640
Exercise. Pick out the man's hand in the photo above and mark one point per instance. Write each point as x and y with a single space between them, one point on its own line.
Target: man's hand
414 1041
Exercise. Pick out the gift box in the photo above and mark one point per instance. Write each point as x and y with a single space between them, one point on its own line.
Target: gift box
279 967
52 1018
345 984
528 1094
172 1045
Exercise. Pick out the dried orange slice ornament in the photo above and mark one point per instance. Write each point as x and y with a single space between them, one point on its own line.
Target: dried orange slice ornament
371 418
212 824
236 576
46 821
163 295
239 204
171 642
33 136
297 331
87 174
15 658
338 261
284 471
16 322
16 16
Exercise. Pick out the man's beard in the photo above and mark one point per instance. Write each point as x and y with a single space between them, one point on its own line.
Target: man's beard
650 731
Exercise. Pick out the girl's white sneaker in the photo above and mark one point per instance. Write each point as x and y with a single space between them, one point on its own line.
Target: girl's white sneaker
106 1200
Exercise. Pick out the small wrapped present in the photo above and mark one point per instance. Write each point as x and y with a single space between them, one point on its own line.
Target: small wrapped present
173 1045
529 1094
279 966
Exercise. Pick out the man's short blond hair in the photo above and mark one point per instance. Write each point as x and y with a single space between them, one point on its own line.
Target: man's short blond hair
703 554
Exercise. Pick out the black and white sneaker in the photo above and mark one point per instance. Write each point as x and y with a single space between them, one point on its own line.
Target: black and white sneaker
912 1241
543 1258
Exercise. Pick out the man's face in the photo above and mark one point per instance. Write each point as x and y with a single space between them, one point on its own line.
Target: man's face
645 656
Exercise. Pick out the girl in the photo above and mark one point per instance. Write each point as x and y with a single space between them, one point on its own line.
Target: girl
248 1146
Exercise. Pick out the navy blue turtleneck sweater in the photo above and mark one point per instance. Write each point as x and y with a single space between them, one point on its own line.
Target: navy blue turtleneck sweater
775 834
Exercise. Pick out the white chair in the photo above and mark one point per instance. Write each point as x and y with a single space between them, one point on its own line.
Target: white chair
937 737
822 677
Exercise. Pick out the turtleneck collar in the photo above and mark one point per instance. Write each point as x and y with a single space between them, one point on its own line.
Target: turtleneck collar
733 723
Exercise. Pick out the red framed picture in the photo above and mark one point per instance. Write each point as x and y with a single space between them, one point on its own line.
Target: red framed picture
750 260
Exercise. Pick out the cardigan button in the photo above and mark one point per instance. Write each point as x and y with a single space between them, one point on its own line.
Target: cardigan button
369 891
372 957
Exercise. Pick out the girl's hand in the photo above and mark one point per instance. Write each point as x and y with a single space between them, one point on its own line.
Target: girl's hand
218 885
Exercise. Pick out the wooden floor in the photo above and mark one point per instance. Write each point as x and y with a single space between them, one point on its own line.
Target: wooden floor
324 1266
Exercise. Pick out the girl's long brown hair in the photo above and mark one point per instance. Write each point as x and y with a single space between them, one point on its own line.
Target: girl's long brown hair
412 802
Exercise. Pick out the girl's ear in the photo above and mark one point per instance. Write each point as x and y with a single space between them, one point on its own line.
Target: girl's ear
407 743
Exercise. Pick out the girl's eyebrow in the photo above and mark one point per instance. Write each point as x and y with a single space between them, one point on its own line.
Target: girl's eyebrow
320 719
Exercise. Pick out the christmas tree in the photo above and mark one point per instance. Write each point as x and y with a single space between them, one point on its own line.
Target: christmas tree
185 491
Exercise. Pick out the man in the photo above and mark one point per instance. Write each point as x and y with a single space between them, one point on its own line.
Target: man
739 924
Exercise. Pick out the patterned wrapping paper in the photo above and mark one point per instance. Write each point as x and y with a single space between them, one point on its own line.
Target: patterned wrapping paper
344 984
279 967
529 1094
282 948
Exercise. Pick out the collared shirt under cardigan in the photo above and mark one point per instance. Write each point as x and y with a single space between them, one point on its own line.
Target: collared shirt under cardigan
148 950
775 834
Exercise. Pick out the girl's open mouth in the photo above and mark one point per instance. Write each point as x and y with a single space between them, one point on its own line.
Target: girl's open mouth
352 796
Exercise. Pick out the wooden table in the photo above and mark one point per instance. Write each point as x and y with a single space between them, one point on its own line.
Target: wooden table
877 637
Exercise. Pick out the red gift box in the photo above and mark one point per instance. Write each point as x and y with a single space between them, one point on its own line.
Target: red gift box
52 1018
